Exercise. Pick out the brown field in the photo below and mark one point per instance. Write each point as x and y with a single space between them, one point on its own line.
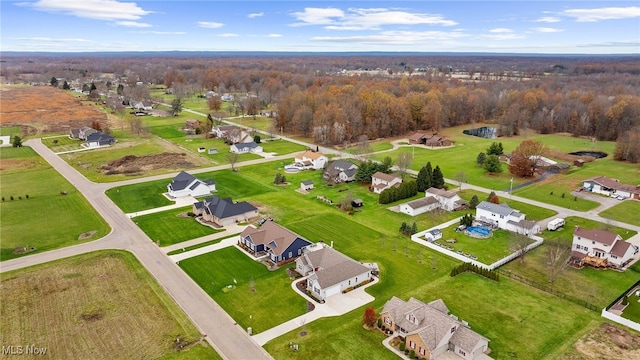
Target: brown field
44 109
102 305
606 342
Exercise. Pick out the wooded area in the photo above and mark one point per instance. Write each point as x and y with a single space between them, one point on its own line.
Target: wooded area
337 99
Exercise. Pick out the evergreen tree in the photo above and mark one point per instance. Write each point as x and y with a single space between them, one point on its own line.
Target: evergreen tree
423 180
414 228
17 141
482 157
493 164
429 175
65 86
386 165
54 81
495 149
438 178
474 202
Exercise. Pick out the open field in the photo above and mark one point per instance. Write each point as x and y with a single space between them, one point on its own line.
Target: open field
632 311
627 212
169 227
259 298
201 245
603 341
62 143
101 305
44 109
591 285
46 219
142 196
10 130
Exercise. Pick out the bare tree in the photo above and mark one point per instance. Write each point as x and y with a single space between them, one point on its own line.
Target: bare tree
557 258
461 177
519 244
403 162
233 159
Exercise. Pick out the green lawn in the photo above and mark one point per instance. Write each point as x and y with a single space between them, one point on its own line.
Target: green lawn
271 303
201 245
632 311
142 196
168 228
281 147
532 212
627 212
62 143
11 131
47 219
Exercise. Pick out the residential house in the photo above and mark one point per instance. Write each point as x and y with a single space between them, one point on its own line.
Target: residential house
311 159
418 138
611 187
222 130
209 94
143 106
231 134
503 217
306 185
330 272
280 244
448 200
98 139
429 330
81 133
602 245
340 171
381 181
185 184
224 212
433 140
433 235
420 206
190 126
244 148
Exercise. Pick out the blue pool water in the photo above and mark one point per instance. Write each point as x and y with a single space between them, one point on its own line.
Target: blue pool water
479 231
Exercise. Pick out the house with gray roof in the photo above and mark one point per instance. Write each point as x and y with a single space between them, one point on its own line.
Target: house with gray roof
420 206
381 181
244 148
429 330
448 200
340 171
98 139
185 184
279 243
224 212
330 272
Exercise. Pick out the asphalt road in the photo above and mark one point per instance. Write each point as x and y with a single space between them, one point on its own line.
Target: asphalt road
226 337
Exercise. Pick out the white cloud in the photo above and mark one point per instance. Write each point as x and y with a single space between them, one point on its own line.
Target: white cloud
161 32
227 35
210 25
500 31
365 19
546 30
548 19
61 40
255 15
607 13
110 10
395 37
133 24
274 35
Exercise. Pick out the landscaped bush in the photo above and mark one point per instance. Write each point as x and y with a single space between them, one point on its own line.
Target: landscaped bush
469 267
412 354
405 190
402 346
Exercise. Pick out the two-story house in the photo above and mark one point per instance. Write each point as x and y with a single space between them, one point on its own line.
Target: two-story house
381 181
601 244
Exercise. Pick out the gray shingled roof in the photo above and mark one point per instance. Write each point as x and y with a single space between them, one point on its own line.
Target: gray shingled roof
441 192
333 266
425 201
250 145
500 209
224 208
181 181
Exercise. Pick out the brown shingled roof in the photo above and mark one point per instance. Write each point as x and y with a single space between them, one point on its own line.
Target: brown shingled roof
384 177
601 236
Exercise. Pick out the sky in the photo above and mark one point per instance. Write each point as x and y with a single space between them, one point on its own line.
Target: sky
543 26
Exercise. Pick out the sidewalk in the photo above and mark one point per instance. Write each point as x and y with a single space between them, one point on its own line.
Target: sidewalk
334 306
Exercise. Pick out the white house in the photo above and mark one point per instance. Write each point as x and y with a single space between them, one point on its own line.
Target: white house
185 184
433 235
448 200
340 171
420 206
329 271
311 159
381 181
306 185
607 186
603 245
98 139
244 148
504 217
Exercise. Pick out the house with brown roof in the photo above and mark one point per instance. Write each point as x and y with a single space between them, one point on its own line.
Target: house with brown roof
448 200
330 272
279 243
429 330
310 159
381 181
433 140
420 206
604 246
611 187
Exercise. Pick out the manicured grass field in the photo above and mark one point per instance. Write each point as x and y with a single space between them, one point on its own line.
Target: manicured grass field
11 131
101 305
62 143
272 301
47 219
142 196
627 212
168 228
260 122
632 311
594 286
201 245
281 147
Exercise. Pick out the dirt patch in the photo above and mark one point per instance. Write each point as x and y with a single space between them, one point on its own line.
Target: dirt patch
93 315
135 165
568 157
607 342
23 250
44 109
87 235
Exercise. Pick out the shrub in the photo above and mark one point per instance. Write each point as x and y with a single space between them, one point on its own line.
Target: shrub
412 354
406 351
11 197
402 346
19 197
379 323
625 300
3 199
26 196
562 196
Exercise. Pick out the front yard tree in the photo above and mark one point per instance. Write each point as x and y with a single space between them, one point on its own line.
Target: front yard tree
233 159
526 156
481 158
423 180
461 177
519 244
176 106
493 164
495 149
403 162
17 141
438 178
474 202
369 318
214 103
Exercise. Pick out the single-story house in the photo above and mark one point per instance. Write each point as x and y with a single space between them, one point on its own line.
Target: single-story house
381 181
243 148
601 244
98 139
306 185
340 171
329 271
420 206
190 126
224 212
436 141
231 134
448 200
504 217
433 235
429 330
311 159
185 184
280 244
81 133
607 186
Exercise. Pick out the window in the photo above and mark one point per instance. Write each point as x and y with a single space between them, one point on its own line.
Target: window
412 345
501 216
462 353
614 257
387 320
290 254
299 251
453 329
593 243
422 351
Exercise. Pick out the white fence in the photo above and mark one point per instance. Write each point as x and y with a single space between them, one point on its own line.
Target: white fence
620 320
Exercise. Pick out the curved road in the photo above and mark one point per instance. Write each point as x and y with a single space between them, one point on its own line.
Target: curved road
226 337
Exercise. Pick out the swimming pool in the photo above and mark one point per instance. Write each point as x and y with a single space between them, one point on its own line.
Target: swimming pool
478 231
